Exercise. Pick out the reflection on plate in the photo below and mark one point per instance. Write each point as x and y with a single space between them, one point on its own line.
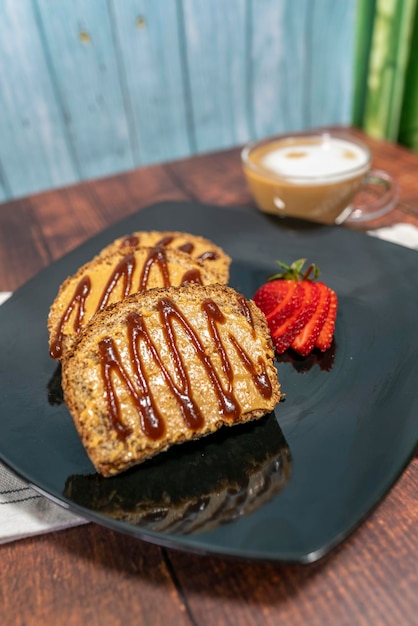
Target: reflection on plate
350 421
196 487
323 360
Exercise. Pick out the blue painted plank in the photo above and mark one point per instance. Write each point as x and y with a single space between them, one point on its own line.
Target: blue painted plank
33 150
149 44
331 62
5 193
302 68
279 65
217 60
80 47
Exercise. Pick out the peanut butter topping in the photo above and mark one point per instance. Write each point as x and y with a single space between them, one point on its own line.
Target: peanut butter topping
112 279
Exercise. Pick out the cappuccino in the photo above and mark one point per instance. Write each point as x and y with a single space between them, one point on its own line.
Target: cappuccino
313 176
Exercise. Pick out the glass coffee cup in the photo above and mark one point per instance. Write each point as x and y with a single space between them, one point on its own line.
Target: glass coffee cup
323 177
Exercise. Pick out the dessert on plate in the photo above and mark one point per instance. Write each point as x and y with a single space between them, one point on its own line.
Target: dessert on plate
166 366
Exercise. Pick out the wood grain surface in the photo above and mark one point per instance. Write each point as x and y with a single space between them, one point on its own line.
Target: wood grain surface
92 575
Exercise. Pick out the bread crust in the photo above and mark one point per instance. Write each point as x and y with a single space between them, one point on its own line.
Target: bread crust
199 248
243 335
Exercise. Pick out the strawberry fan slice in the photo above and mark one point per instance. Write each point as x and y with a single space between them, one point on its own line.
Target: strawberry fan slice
299 312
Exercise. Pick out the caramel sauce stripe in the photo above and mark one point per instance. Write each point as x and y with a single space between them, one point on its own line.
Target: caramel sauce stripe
124 269
79 298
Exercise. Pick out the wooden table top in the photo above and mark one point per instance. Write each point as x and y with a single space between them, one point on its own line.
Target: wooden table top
90 574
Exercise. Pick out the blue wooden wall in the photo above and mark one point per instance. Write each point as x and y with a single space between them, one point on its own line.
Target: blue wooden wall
93 87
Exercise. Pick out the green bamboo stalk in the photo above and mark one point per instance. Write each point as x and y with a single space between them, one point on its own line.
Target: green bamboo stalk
365 14
408 133
388 61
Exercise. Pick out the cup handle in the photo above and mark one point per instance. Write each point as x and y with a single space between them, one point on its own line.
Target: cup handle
373 207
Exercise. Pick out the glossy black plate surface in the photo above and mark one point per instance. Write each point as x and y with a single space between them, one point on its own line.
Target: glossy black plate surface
288 488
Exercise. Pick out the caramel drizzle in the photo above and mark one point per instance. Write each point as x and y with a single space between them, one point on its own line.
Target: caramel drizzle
187 247
80 295
130 241
246 312
261 381
165 241
156 256
208 256
152 423
192 276
124 271
151 420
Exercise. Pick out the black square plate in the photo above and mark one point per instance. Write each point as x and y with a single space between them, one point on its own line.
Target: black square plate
286 489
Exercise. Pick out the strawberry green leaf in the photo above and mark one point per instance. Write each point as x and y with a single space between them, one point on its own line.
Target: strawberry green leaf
294 271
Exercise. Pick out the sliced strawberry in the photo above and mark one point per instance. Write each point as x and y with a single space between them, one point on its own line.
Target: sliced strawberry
300 313
288 297
324 339
287 309
304 342
284 334
270 295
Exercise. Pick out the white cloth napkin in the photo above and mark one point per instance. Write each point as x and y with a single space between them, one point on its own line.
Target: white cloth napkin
403 234
24 512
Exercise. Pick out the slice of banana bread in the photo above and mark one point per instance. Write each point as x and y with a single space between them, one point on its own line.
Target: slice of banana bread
166 366
111 278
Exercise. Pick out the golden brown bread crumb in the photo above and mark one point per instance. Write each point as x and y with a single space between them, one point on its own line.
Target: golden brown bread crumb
166 366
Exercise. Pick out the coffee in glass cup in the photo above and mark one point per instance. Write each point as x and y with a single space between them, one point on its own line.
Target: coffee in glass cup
316 176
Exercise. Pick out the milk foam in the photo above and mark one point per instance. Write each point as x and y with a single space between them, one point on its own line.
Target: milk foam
330 157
